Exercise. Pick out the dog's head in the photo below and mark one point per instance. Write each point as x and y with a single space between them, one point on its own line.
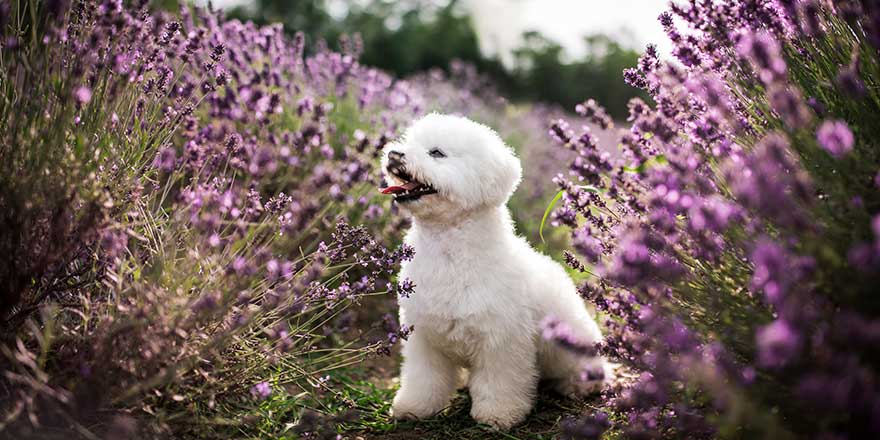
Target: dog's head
445 165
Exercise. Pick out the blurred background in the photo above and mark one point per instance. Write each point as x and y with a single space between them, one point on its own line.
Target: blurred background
551 51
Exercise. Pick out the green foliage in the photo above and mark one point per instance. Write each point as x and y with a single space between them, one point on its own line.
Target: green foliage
548 211
542 74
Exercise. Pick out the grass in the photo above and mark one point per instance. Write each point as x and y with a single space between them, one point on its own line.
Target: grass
369 394
456 422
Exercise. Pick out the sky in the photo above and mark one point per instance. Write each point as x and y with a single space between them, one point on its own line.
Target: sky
500 23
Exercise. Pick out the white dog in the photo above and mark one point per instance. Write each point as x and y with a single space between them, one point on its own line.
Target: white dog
480 290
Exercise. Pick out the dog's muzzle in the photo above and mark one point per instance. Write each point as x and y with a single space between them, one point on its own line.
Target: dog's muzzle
411 189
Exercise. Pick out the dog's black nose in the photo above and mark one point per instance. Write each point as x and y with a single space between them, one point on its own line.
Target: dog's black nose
395 159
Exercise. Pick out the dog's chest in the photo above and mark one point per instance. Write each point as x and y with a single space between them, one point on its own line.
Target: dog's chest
455 283
466 290
455 338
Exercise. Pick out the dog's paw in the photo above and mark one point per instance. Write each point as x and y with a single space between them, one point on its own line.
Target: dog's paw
500 417
576 388
401 414
406 409
591 380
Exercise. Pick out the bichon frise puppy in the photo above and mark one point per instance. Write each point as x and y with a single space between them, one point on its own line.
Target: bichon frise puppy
480 290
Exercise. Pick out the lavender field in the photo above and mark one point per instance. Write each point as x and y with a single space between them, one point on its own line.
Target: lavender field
192 243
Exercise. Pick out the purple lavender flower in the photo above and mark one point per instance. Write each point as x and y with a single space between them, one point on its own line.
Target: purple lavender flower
82 94
166 159
789 103
634 78
668 25
114 242
591 110
810 21
712 91
776 271
405 288
586 244
588 427
205 303
261 390
778 343
864 257
553 329
765 54
769 182
850 82
687 54
713 214
835 137
817 106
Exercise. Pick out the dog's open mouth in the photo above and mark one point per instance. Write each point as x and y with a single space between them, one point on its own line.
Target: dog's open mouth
410 190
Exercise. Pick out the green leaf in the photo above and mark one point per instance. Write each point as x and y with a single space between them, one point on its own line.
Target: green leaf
547 213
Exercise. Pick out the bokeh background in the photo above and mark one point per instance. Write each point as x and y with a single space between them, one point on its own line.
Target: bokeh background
545 51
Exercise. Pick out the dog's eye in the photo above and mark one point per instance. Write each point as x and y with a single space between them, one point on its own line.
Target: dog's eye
436 152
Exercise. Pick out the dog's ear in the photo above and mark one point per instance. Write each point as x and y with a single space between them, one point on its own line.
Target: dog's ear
508 173
515 176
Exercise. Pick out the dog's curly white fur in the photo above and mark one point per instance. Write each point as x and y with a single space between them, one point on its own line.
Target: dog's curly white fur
480 290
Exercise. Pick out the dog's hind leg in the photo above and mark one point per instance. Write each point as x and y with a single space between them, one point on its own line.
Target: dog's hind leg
574 374
427 380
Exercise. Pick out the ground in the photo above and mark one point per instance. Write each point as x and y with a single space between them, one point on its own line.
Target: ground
455 422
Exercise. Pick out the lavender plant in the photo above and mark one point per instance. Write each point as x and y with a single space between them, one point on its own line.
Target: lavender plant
178 200
733 247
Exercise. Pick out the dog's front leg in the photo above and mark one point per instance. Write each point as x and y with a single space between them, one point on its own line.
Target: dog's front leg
503 383
427 380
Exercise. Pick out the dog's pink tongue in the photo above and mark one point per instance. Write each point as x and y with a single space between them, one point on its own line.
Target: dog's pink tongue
394 189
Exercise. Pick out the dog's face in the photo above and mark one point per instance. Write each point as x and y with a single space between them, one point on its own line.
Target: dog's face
446 165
